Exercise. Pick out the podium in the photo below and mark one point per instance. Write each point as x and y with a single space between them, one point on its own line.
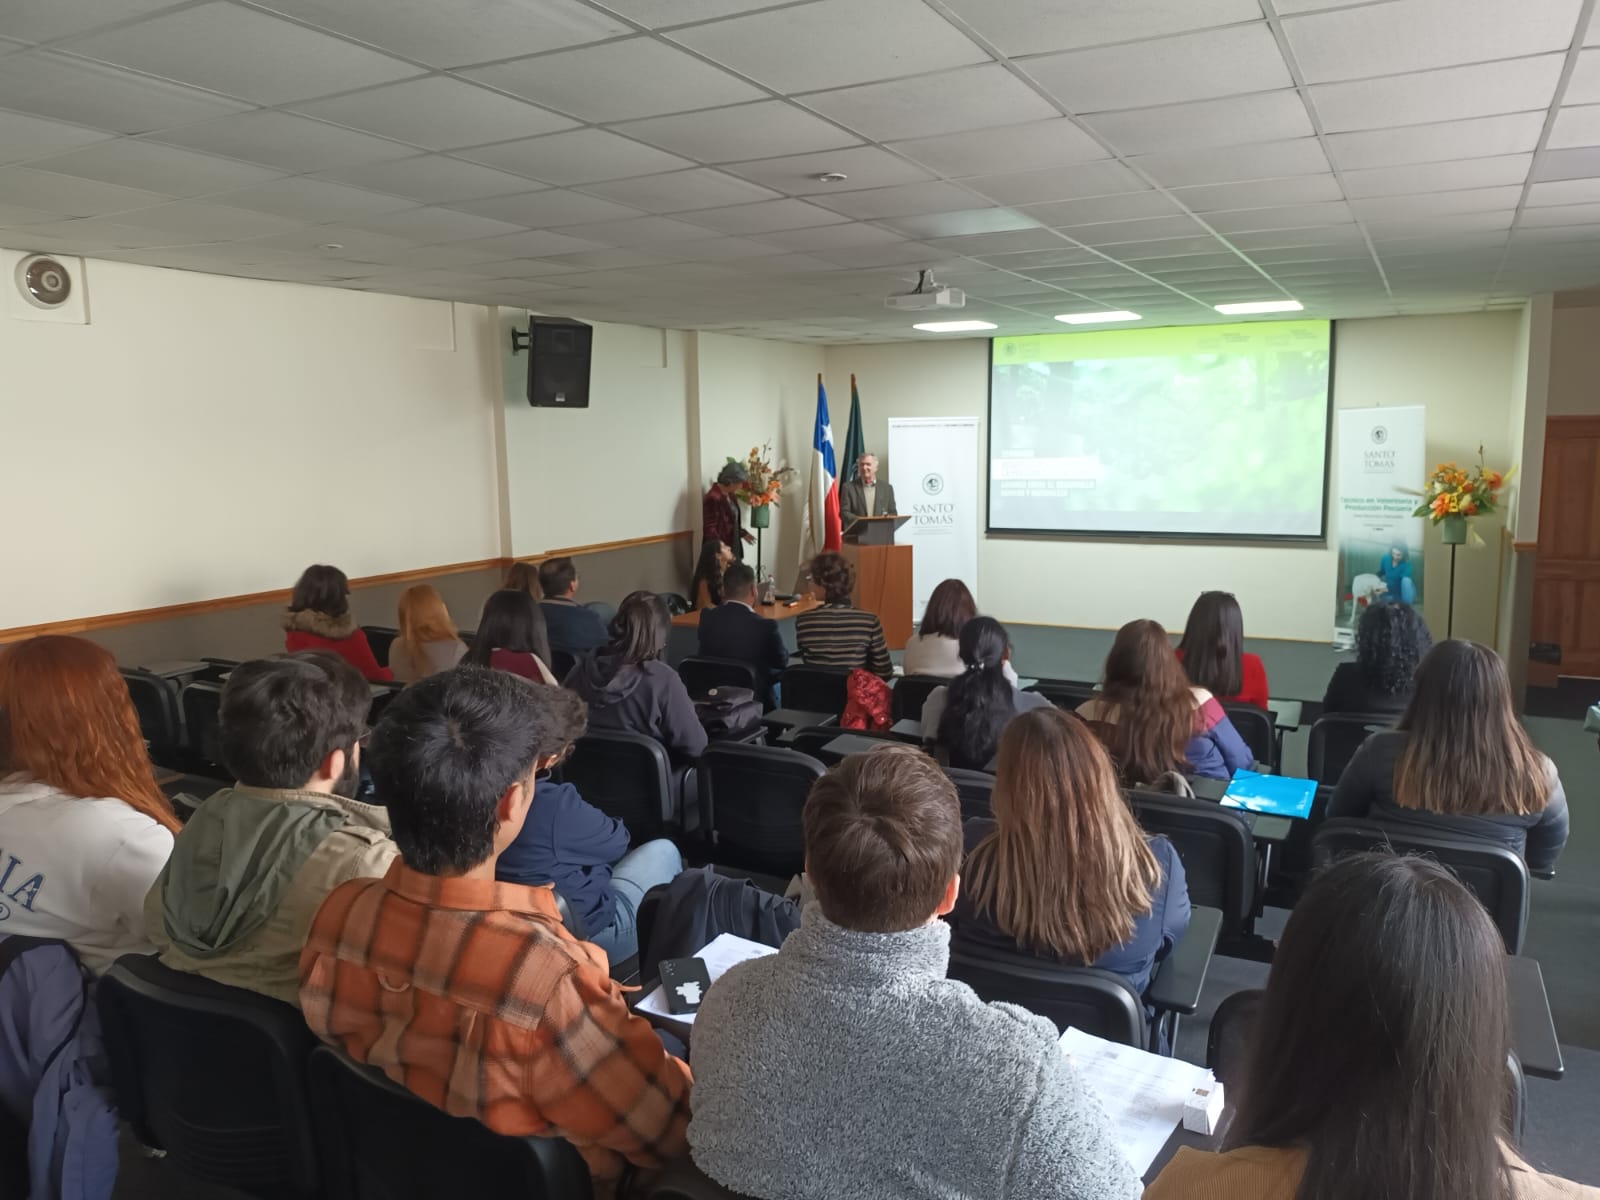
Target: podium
883 575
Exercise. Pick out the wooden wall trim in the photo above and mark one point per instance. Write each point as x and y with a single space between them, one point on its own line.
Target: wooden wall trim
1524 547
195 608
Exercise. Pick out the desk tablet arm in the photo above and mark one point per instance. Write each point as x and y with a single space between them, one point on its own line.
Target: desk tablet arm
1181 976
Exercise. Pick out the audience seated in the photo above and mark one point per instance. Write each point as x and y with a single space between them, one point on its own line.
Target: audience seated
705 589
511 637
572 844
733 629
1377 1066
84 826
573 629
1063 870
629 688
523 577
319 618
427 642
936 649
1459 763
1390 641
1153 721
1213 655
848 1065
249 869
468 991
838 635
964 719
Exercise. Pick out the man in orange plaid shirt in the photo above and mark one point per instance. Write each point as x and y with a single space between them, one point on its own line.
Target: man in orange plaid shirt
470 992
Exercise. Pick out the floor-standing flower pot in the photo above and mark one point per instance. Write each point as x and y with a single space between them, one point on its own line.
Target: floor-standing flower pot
1453 530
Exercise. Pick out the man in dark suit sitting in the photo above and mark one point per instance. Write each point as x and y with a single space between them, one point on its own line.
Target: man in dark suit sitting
867 498
733 629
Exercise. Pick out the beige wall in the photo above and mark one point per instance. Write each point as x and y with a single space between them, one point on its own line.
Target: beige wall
1460 367
1575 362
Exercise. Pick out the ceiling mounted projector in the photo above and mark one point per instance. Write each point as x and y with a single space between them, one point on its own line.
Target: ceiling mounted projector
926 295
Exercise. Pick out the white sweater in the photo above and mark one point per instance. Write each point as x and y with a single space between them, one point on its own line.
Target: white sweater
935 654
77 869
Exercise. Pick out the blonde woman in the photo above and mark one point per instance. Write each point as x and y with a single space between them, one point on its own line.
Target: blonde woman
428 641
1063 871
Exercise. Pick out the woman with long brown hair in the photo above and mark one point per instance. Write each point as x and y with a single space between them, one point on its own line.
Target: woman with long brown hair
936 649
428 641
1152 720
1063 870
319 618
85 828
1460 763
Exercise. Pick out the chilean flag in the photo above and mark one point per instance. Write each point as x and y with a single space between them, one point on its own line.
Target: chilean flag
822 498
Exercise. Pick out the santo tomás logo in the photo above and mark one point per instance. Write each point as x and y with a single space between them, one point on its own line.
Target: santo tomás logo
933 483
1380 435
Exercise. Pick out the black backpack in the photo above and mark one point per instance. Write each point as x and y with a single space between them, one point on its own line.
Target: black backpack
728 712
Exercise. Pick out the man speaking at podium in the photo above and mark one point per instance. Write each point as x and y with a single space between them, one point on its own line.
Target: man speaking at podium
866 497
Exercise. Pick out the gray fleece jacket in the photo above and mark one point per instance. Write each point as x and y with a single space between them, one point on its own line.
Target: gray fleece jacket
848 1065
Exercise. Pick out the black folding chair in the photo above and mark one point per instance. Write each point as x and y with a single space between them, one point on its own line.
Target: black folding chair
1098 1002
682 1180
561 664
751 798
701 674
202 717
627 776
380 638
815 689
1256 727
155 700
1334 741
1218 853
1496 876
976 790
911 692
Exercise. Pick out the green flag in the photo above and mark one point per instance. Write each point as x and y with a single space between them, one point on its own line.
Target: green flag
854 445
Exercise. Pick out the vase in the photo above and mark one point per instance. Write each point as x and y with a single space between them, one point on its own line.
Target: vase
761 516
1453 530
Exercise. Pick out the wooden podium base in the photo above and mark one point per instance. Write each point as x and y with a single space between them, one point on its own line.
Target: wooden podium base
883 586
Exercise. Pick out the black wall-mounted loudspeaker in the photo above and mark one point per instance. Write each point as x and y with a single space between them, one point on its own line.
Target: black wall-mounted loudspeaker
558 361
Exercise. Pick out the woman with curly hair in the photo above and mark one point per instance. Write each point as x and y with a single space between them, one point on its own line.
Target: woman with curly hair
1390 641
838 634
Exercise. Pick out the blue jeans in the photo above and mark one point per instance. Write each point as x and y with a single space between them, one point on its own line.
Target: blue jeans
634 874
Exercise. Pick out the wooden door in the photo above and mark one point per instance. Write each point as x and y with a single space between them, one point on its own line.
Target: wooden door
1566 578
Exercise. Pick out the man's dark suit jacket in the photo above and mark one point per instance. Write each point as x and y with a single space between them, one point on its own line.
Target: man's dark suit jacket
853 502
731 630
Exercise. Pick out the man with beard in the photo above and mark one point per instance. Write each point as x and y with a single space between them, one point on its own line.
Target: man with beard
251 867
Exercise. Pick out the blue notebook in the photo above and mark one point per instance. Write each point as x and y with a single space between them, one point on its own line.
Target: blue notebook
1277 795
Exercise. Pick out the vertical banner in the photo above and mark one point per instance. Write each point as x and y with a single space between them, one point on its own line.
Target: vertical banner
933 465
1382 465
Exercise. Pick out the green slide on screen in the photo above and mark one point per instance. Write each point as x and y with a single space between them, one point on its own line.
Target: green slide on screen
1201 431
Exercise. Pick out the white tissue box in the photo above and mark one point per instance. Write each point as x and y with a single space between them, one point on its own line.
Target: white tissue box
1202 1111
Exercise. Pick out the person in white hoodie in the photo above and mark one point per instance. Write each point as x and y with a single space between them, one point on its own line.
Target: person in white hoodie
84 830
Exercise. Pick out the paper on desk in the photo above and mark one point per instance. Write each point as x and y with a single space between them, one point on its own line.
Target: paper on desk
1142 1093
722 952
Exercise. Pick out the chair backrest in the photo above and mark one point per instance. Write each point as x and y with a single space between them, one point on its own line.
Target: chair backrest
812 740
383 695
1218 853
1098 1002
1498 877
625 775
682 1180
816 689
911 692
1064 693
380 638
381 1142
202 717
976 789
213 1075
1255 726
155 700
1334 741
561 663
751 798
700 674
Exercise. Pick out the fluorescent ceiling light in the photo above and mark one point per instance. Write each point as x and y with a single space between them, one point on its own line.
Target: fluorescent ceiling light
1260 306
1096 318
954 326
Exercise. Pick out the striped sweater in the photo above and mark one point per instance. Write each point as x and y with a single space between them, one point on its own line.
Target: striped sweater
840 636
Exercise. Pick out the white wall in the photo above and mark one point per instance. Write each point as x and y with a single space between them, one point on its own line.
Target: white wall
206 436
1460 367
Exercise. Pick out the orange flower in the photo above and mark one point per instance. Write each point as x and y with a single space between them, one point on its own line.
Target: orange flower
1441 505
1469 508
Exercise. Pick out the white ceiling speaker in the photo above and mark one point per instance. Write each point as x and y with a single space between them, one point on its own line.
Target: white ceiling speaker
47 287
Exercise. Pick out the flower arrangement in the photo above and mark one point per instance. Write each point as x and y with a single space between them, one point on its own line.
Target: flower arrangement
764 482
1453 495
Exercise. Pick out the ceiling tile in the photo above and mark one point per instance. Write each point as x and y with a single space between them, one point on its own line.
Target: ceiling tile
637 77
437 113
1318 239
1196 66
1058 183
452 255
656 14
1034 26
766 128
1295 216
243 53
286 141
1229 164
1063 213
1005 243
831 237
1484 199
451 33
47 20
960 224
1513 133
799 49
428 225
678 191
1567 164
157 168
1567 191
534 244
767 217
312 200
1438 177
197 221
68 196
1110 233
94 236
992 151
1390 39
1238 120
551 207
865 166
898 254
949 102
578 156
638 231
719 248
1584 85
612 258
900 201
70 89
13 215
1453 94
1260 193
431 179
361 245
23 137
1576 126
1561 214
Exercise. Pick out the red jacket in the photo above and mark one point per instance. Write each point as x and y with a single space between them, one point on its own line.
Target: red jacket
314 631
1254 690
719 515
